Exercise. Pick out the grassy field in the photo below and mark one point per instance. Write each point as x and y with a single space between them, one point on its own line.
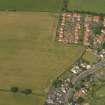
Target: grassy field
31 5
19 99
98 91
96 95
29 55
97 6
90 57
98 98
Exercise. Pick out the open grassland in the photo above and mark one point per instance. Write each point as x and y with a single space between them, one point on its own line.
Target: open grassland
97 6
29 55
31 5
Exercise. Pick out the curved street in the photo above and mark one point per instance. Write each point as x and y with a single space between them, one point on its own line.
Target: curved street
60 97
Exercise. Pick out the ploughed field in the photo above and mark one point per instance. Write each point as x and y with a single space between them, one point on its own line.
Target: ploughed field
97 6
29 55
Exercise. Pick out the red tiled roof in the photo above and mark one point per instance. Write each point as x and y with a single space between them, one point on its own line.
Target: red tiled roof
100 38
78 93
96 18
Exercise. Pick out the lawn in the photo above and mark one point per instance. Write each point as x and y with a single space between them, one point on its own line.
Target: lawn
96 95
90 57
29 55
98 98
97 6
99 94
31 5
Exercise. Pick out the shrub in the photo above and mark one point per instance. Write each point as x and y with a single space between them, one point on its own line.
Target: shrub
103 46
57 83
14 89
27 91
80 100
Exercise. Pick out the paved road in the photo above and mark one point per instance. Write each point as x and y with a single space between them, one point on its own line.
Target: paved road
59 98
84 74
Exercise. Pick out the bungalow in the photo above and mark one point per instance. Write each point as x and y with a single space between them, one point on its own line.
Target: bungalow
77 31
103 31
96 18
75 14
88 67
100 38
86 38
78 94
60 39
68 14
88 19
61 33
87 31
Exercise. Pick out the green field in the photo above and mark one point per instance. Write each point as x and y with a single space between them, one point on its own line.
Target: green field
90 57
29 55
19 99
31 5
97 6
98 98
97 94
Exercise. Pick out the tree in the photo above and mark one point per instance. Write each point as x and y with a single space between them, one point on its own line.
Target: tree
14 89
103 46
57 83
80 100
27 91
78 86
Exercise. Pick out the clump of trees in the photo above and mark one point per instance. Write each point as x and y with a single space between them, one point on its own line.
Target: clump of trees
26 91
16 89
80 100
89 13
103 46
57 83
97 29
65 5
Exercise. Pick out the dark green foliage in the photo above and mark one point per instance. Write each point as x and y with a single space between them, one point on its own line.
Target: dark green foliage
97 29
103 46
102 17
57 83
98 49
78 85
65 5
80 100
14 89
